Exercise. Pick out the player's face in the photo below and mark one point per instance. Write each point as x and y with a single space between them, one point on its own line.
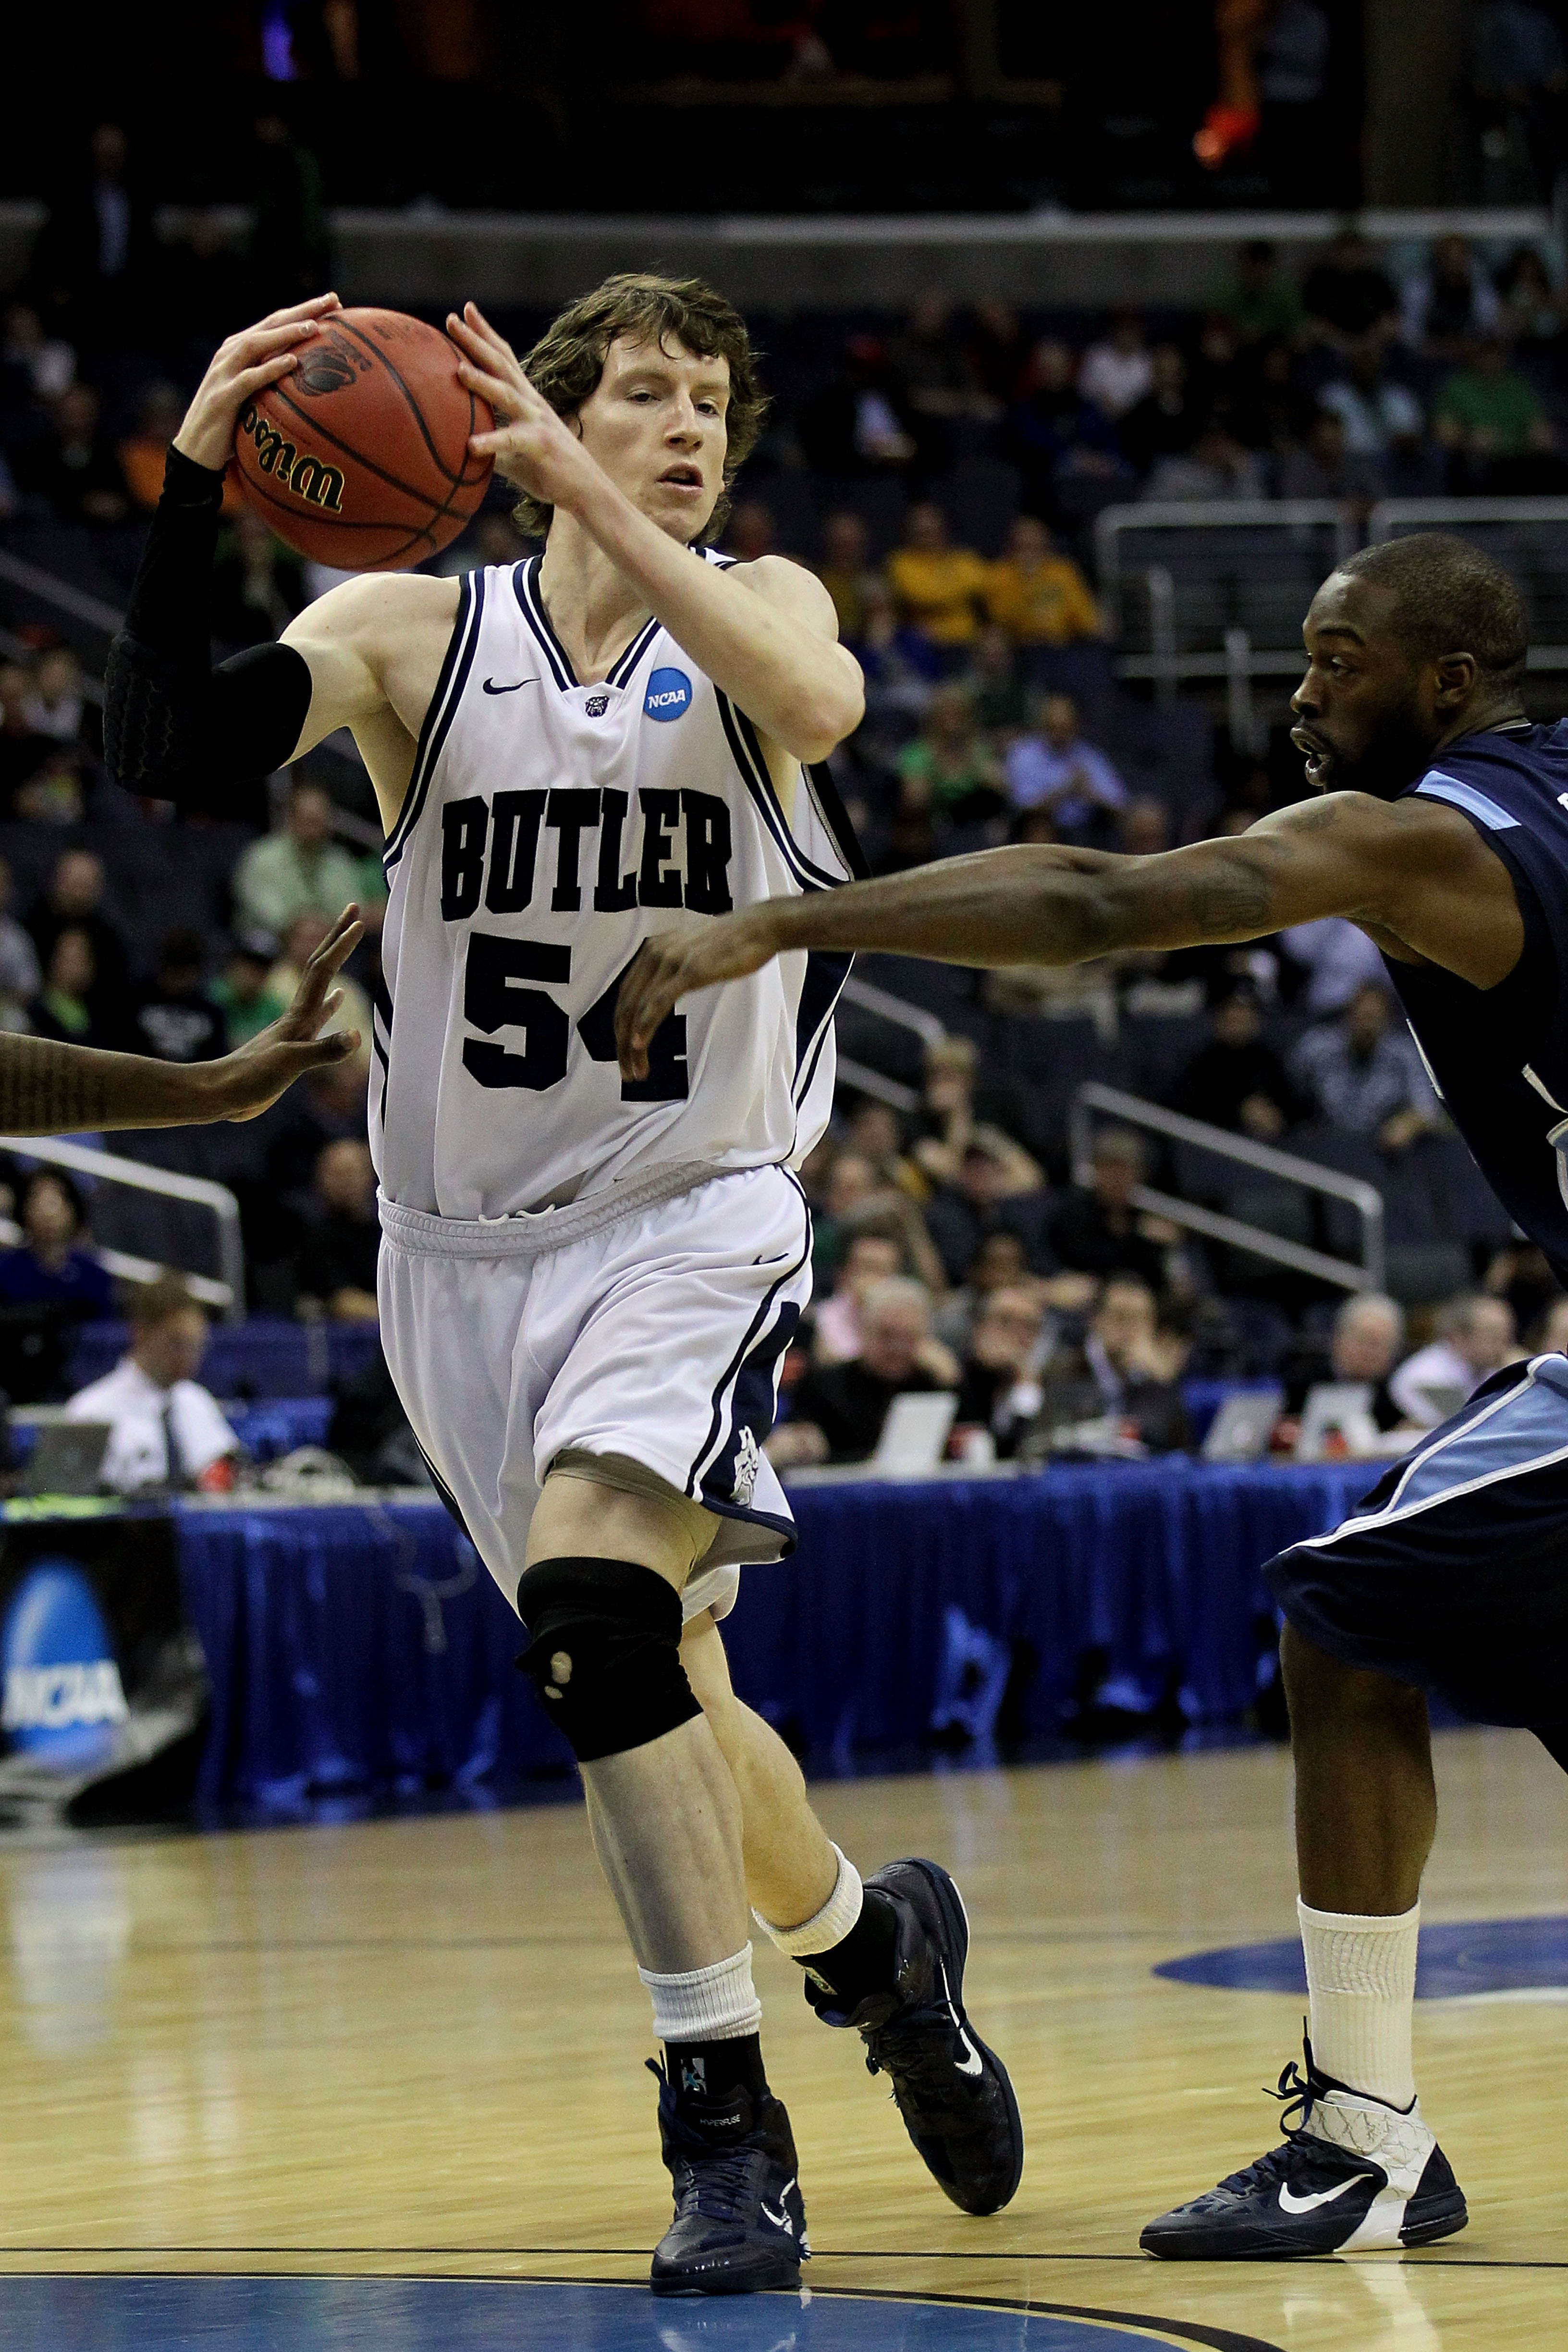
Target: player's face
655 422
1366 718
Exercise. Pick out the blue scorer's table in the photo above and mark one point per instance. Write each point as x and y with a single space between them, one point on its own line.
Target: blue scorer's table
361 1646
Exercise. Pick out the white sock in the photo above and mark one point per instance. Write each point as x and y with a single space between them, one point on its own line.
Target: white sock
824 1928
1361 1979
714 2004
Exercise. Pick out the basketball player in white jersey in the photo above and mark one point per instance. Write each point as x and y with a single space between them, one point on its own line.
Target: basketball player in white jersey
588 1284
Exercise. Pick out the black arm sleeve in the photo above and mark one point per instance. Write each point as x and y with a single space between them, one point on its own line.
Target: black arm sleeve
172 725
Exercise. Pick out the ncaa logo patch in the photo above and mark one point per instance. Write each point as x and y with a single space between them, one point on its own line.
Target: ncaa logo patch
63 1695
668 695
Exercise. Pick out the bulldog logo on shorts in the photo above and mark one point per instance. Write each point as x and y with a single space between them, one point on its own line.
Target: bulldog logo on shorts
748 1459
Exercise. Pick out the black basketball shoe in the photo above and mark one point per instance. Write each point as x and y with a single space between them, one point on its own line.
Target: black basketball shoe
952 2091
740 2221
1351 2174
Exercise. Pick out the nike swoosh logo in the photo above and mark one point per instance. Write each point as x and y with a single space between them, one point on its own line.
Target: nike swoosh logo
781 2220
973 2063
491 687
1290 2203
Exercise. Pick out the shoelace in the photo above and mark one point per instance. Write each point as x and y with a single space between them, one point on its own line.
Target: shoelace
1295 2091
912 2055
719 2187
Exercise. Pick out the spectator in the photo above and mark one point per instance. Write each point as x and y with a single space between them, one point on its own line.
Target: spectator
932 382
998 1185
73 469
1489 417
337 1263
853 426
74 897
1449 304
876 1133
843 570
836 1410
950 769
1166 420
1143 829
328 1104
1117 372
1068 448
1237 1080
997 695
874 1255
1368 1335
1038 594
999 1387
257 586
901 667
1271 413
1347 295
21 751
1057 770
997 351
1259 303
19 975
175 1019
947 1118
1000 1263
244 994
1217 467
297 871
51 1266
63 1007
165 1429
1327 468
1364 1072
37 367
54 706
1337 958
1097 1230
1530 307
94 252
1382 419
939 589
1474 1338
142 453
1125 1371
1521 1273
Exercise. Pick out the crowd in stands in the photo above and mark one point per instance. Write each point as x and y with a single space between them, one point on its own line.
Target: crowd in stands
942 474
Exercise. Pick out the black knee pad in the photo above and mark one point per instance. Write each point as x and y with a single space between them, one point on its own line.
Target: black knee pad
605 1653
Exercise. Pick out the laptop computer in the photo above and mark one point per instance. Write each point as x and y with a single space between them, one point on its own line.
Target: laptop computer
914 1433
1241 1429
1336 1419
67 1459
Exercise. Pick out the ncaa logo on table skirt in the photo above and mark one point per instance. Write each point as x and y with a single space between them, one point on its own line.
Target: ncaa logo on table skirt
63 1695
668 695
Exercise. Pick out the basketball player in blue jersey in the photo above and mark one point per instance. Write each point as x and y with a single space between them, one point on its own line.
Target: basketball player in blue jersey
1443 832
589 1282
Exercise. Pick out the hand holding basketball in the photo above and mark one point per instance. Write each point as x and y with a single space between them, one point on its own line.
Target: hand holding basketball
242 366
531 444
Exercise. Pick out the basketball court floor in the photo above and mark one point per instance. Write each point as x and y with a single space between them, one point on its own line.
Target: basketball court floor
379 2084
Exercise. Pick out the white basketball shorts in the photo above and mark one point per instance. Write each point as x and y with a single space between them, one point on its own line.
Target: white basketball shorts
637 1322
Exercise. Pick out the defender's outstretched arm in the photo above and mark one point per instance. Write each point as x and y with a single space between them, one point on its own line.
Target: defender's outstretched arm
1415 873
53 1089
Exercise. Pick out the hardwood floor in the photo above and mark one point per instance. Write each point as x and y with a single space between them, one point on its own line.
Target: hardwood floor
415 2046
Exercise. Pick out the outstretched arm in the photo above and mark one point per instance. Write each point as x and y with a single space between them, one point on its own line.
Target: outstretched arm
51 1089
769 640
1412 871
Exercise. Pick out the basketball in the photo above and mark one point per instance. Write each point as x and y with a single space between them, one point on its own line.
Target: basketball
360 458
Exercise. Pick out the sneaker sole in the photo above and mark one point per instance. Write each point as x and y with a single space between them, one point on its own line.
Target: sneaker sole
1441 2218
955 1920
766 2278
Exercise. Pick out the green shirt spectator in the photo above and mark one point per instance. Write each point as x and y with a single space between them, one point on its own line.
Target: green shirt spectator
1260 304
950 767
244 994
300 871
1487 408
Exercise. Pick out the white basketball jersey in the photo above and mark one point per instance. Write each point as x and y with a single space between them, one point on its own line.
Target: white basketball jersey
547 830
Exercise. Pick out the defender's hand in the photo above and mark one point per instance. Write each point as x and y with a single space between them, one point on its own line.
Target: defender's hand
531 446
678 963
254 1077
241 367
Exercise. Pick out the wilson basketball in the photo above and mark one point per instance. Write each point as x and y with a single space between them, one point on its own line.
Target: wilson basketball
360 458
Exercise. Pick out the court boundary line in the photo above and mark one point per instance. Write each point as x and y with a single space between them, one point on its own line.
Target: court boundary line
643 2253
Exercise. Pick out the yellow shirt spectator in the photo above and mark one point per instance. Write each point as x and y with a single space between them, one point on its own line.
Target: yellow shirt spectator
939 589
1039 597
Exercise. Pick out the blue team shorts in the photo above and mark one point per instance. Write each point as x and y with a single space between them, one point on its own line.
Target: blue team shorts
1452 1574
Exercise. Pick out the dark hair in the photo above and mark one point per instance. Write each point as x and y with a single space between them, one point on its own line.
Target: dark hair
148 1304
567 361
1450 597
63 1185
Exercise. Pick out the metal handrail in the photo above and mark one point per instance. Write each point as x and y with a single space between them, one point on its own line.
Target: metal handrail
1132 1111
904 1015
1209 514
1386 516
228 1291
